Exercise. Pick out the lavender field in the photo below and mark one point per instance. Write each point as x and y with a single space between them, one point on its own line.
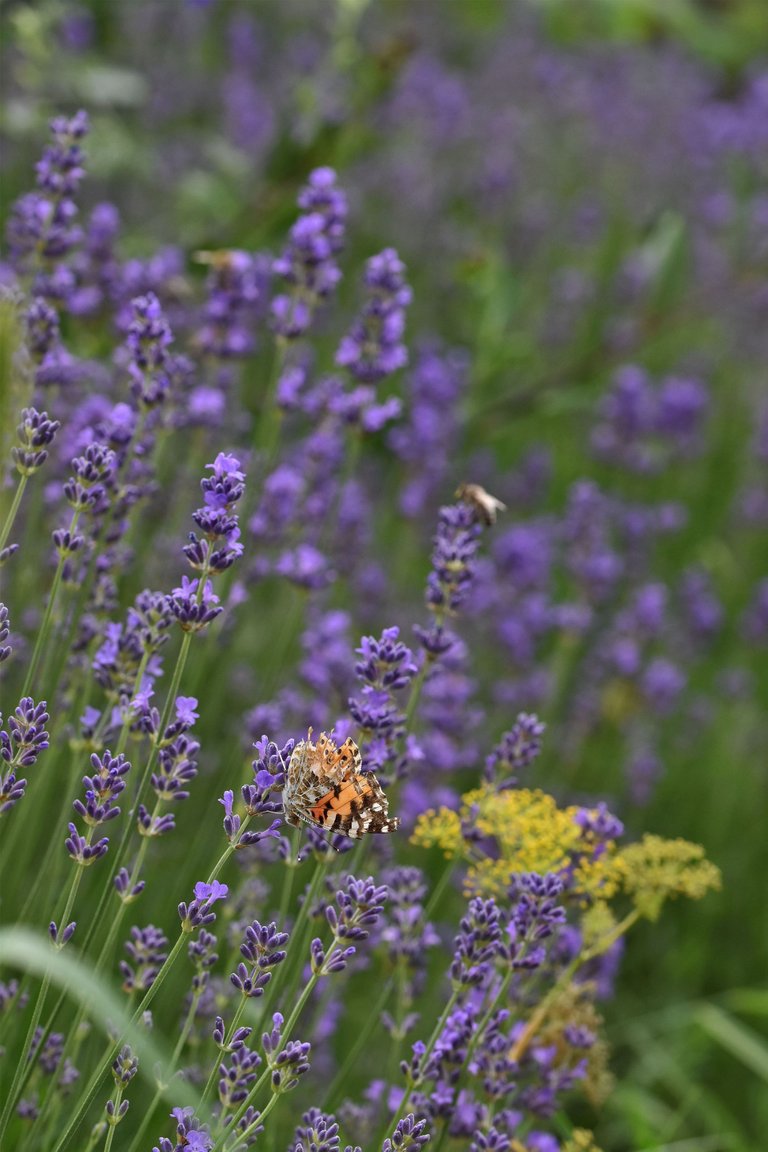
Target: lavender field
383 576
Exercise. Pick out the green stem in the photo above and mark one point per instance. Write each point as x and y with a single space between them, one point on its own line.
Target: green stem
243 1136
290 871
149 1112
268 425
128 829
23 1066
10 518
227 1041
539 1016
372 1019
439 889
42 635
299 935
436 1033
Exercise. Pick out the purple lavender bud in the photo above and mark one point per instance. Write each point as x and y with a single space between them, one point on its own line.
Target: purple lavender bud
5 630
359 907
702 609
42 222
305 566
42 330
453 558
81 851
236 1077
598 825
147 341
409 1133
147 950
322 194
175 767
387 664
435 640
307 265
373 347
67 543
271 1040
21 742
236 282
516 750
490 1141
92 471
11 790
7 552
127 892
26 736
477 944
262 948
190 1133
317 1132
662 682
201 951
194 610
271 763
35 434
536 916
289 1065
406 934
101 788
125 1066
64 936
151 826
682 406
198 911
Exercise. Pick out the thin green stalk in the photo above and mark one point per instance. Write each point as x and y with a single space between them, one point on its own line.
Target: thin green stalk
436 1033
22 1067
128 828
12 511
243 1136
42 635
268 426
539 1016
300 935
363 1036
227 1041
136 1143
290 871
439 889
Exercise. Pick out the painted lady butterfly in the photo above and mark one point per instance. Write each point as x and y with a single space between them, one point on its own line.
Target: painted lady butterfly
325 785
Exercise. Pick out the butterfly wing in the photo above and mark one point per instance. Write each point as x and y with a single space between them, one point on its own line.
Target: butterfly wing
326 787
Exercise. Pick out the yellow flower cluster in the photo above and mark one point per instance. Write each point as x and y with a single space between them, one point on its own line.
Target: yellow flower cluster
658 869
531 834
580 1140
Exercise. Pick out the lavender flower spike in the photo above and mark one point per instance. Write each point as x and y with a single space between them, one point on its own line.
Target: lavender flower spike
409 1133
373 348
198 911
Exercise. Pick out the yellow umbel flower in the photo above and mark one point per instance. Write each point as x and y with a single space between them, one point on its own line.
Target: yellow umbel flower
580 1140
531 835
440 828
658 869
